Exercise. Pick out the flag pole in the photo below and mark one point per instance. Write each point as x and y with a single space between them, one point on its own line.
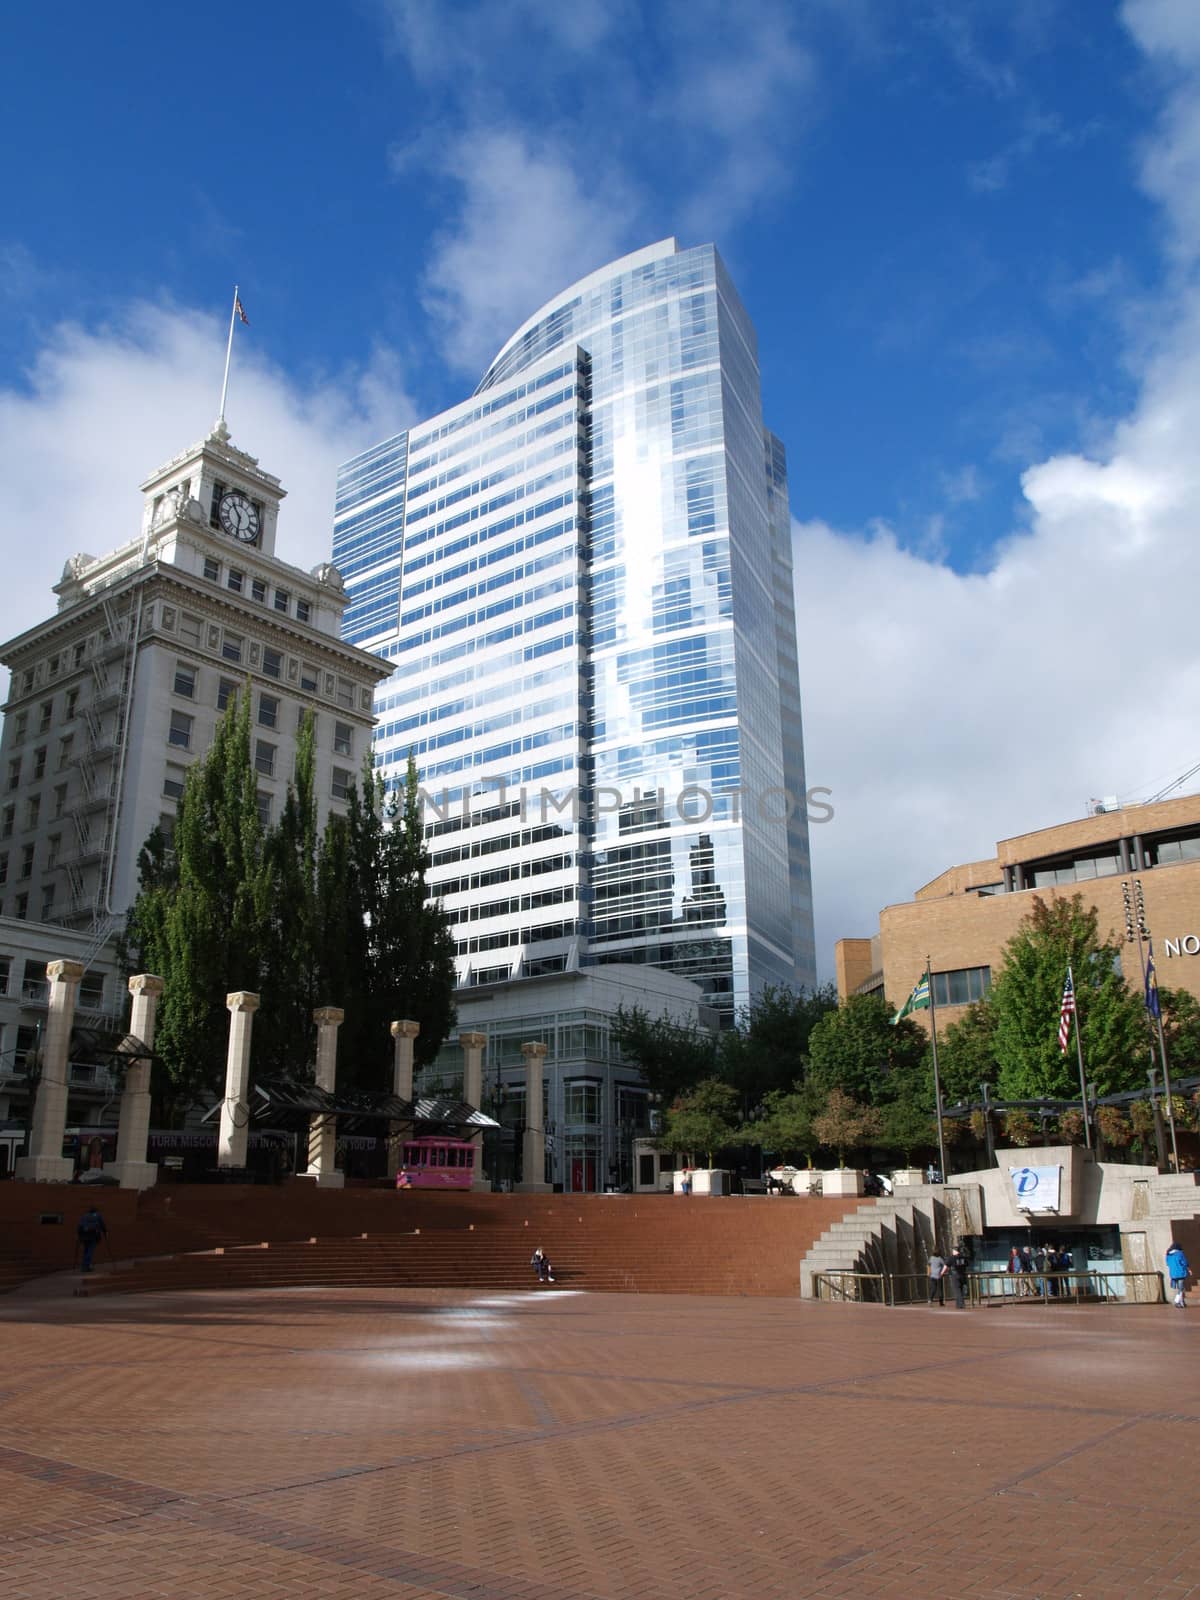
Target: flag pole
228 353
1083 1100
1162 1051
937 1077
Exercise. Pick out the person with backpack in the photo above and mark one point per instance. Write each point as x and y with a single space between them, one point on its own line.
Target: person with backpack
1179 1272
89 1233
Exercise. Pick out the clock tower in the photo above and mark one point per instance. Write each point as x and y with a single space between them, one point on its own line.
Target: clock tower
216 487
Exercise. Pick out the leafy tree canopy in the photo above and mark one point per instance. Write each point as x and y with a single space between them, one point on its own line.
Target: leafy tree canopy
846 1124
673 1056
967 1053
704 1120
767 1051
858 1049
1027 996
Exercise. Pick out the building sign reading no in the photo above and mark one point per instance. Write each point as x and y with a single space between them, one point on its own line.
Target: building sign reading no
1188 945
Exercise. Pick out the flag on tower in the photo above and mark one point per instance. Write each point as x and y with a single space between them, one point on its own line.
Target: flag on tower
918 1000
1066 1013
1152 1005
241 310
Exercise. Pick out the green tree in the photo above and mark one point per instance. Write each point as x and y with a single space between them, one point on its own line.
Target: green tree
673 1056
908 1126
858 1049
201 919
785 1128
705 1120
410 939
1181 1029
846 1124
1027 996
967 1053
767 1051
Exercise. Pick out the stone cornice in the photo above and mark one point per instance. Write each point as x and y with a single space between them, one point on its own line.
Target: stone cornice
182 587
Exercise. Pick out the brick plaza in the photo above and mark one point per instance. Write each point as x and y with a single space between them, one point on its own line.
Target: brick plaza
549 1445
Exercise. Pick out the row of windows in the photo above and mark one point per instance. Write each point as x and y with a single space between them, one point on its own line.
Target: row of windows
504 908
515 448
63 661
509 874
185 684
962 986
34 984
489 558
257 589
487 847
236 649
511 936
480 412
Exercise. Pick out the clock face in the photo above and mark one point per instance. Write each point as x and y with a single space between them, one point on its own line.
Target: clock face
239 517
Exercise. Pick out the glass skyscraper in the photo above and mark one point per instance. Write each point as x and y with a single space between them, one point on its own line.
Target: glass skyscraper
583 578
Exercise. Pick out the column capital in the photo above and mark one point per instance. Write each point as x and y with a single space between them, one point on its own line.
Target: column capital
535 1049
242 1000
405 1029
472 1041
145 983
64 971
329 1016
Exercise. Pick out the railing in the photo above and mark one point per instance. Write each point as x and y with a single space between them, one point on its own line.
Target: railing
994 1288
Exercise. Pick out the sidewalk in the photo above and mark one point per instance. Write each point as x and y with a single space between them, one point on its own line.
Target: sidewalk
390 1445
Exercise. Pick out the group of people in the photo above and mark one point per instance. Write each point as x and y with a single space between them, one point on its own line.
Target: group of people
957 1269
1029 1263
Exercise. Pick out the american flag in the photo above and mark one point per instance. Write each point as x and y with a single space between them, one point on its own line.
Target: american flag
1067 1012
241 310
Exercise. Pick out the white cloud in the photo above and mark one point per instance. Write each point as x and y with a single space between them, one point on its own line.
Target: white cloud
101 408
527 228
949 711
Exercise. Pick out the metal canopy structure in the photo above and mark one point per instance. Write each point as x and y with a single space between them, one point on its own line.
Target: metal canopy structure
288 1104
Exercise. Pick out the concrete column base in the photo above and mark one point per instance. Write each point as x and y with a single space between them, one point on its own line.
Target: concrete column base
327 1180
481 1185
535 1188
44 1169
134 1174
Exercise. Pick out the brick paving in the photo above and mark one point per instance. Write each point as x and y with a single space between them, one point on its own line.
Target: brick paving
404 1445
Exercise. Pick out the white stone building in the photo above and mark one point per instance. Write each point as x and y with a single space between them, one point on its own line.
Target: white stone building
114 696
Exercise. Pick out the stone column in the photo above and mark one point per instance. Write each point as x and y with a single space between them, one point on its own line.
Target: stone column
45 1162
403 1033
472 1049
235 1109
131 1166
533 1145
322 1130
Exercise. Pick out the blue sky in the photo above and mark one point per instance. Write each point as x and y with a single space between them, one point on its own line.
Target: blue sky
966 231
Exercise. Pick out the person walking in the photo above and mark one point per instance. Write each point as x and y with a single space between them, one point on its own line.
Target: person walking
960 1276
91 1230
1027 1269
937 1279
1179 1272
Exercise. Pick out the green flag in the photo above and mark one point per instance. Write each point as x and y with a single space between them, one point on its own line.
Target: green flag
918 1000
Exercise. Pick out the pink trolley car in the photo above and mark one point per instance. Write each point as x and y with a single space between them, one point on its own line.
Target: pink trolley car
439 1163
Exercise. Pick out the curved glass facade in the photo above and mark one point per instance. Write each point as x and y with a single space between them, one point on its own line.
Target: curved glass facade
584 577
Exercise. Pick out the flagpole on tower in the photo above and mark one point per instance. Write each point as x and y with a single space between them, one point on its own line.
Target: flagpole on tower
234 312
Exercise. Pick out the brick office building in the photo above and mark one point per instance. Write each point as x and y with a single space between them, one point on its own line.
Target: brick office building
965 916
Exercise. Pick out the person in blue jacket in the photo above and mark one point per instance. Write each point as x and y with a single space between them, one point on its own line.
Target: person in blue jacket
1179 1272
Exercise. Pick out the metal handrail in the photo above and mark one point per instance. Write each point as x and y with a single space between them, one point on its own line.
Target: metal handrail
911 1288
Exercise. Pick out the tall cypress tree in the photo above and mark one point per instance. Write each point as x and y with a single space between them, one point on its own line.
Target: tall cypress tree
201 920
